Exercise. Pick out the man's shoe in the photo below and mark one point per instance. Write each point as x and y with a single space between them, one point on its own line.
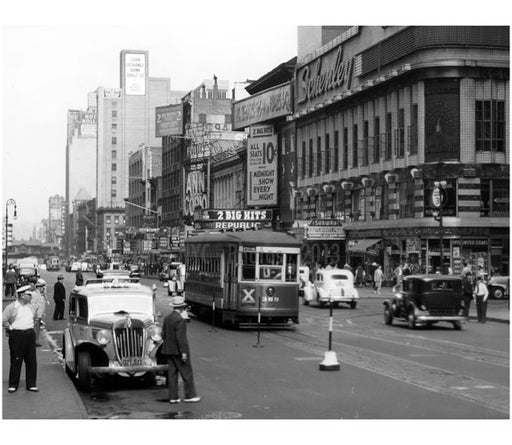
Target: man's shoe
192 399
175 401
12 389
38 345
33 389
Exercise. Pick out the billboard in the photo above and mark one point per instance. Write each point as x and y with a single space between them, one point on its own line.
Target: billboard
263 106
196 193
262 166
169 120
135 74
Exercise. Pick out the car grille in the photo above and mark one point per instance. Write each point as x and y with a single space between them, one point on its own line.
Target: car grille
129 342
440 311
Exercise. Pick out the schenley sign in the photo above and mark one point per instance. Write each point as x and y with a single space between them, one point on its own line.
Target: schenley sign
313 81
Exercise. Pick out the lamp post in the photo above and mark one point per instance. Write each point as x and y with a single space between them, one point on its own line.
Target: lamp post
9 202
437 212
147 209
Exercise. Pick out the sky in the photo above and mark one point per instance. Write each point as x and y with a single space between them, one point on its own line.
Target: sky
53 55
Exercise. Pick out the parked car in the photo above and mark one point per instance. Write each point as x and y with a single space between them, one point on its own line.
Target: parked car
76 266
499 287
113 329
332 285
134 271
26 272
425 300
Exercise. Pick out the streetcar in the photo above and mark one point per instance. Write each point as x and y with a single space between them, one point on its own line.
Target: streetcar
244 279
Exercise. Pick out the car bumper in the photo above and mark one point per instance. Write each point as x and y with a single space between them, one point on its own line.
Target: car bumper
339 299
441 318
127 369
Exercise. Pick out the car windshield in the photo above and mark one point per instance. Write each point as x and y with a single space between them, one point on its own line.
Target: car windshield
445 285
111 304
27 271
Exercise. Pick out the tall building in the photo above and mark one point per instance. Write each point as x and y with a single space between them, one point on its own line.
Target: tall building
80 162
56 219
126 119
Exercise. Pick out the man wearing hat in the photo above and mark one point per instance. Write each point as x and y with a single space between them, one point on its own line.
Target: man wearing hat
18 321
175 347
59 296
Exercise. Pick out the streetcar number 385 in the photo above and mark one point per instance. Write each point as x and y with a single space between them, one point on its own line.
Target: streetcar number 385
270 299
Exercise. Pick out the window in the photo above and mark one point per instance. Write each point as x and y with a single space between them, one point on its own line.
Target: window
490 125
114 140
114 193
248 266
114 114
494 197
114 126
271 266
327 154
413 143
310 157
355 147
376 140
116 220
406 199
365 143
336 165
345 148
401 134
114 154
107 219
388 138
114 179
381 197
114 167
318 156
202 118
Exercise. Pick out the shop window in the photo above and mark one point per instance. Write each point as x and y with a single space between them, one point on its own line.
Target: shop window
494 197
400 140
449 193
490 125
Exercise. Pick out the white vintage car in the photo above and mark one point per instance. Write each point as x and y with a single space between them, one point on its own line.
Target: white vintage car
332 285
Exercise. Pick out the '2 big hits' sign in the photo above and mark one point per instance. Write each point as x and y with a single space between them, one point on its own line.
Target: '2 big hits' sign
262 166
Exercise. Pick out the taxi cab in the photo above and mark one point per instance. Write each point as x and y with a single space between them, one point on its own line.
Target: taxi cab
332 285
112 329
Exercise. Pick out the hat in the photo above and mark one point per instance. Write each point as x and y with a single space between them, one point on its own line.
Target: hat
177 302
24 289
40 283
60 277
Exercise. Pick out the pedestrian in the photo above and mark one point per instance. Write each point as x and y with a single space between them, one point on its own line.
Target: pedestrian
10 279
378 278
59 296
481 294
18 321
79 279
359 275
398 276
39 301
176 349
467 287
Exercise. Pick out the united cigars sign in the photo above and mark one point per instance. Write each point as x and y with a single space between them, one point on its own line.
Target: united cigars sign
328 229
269 104
328 74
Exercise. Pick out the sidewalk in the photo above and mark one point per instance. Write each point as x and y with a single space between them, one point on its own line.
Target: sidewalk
57 397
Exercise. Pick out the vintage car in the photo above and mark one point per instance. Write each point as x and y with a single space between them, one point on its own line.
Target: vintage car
332 285
498 287
303 279
26 273
134 270
113 329
427 299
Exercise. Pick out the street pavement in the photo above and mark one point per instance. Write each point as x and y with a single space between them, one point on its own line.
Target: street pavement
59 399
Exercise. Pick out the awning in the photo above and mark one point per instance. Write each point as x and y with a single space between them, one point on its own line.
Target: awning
363 245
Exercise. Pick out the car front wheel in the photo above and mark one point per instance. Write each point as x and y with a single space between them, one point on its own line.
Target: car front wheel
84 375
411 319
388 316
497 293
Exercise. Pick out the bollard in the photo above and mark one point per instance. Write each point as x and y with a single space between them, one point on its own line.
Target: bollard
212 329
330 361
258 344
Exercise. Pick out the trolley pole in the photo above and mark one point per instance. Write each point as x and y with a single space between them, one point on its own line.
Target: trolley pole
212 329
330 361
258 344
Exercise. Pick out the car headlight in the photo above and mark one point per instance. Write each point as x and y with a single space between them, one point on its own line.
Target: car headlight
155 333
103 337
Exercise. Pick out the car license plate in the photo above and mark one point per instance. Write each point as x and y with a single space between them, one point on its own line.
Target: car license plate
134 361
339 284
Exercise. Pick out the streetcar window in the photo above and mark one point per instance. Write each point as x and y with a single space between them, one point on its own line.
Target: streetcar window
271 266
291 267
248 266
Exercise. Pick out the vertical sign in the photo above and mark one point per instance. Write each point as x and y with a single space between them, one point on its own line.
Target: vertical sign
135 74
262 166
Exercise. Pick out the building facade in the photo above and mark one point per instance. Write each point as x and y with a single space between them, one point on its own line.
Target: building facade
385 115
56 219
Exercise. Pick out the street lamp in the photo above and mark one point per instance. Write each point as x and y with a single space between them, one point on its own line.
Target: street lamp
147 209
437 213
9 202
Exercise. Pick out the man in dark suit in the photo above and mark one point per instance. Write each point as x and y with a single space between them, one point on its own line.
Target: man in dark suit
177 351
59 296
